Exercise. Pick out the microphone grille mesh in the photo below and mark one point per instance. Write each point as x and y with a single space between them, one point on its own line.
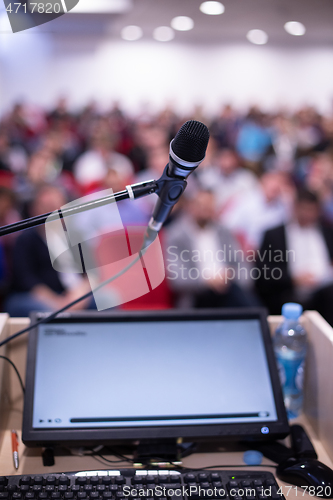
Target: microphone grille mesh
190 142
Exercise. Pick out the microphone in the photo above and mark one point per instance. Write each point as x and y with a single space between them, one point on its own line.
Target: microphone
187 151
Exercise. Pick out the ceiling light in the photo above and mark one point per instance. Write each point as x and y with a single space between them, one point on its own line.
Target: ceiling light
295 28
163 34
102 6
259 37
131 33
182 23
212 8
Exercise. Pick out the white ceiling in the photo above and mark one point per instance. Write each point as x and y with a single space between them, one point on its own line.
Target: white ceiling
239 17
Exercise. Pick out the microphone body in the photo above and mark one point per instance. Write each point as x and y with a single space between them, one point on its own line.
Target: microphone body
187 151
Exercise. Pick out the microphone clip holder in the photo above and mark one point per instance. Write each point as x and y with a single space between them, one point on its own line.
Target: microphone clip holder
169 190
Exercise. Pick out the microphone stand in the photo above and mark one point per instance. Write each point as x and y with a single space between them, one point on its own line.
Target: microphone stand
131 192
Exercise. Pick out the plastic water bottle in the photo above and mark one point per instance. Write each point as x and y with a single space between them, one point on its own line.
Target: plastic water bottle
290 346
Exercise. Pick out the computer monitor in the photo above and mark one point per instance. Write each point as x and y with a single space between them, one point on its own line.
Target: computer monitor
118 377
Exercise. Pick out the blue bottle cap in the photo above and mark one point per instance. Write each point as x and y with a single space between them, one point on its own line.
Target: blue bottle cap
291 310
252 457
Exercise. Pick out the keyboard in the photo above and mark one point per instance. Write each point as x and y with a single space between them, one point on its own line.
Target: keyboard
133 484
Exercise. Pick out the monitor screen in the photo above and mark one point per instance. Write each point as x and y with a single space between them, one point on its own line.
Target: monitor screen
137 375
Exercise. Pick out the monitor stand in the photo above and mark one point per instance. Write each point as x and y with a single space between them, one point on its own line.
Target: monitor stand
162 450
48 457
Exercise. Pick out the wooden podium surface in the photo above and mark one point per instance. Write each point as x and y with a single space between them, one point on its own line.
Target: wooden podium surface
316 418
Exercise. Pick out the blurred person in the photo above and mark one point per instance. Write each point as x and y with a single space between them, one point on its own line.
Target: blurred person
154 136
319 179
17 125
36 286
8 215
8 211
211 152
224 128
199 114
202 257
327 142
255 211
53 142
299 256
46 164
132 212
92 166
309 133
64 139
254 139
86 120
284 145
168 120
120 128
43 168
60 112
157 160
137 153
146 139
227 178
13 158
105 219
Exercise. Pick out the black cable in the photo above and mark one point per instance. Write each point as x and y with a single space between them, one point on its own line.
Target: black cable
149 238
181 467
122 458
113 461
16 370
120 455
100 461
47 318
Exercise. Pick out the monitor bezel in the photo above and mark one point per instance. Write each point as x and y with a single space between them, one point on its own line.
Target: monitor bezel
108 435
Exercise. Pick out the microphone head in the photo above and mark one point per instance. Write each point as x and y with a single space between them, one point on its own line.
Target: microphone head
190 142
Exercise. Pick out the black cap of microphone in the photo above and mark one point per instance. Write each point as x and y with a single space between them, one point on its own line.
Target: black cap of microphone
190 142
188 149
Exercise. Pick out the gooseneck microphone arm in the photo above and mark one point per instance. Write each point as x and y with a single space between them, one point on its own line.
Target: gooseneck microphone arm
133 191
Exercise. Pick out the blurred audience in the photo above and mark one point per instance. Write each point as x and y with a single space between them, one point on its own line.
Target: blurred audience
36 286
202 258
227 178
92 166
253 163
259 209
